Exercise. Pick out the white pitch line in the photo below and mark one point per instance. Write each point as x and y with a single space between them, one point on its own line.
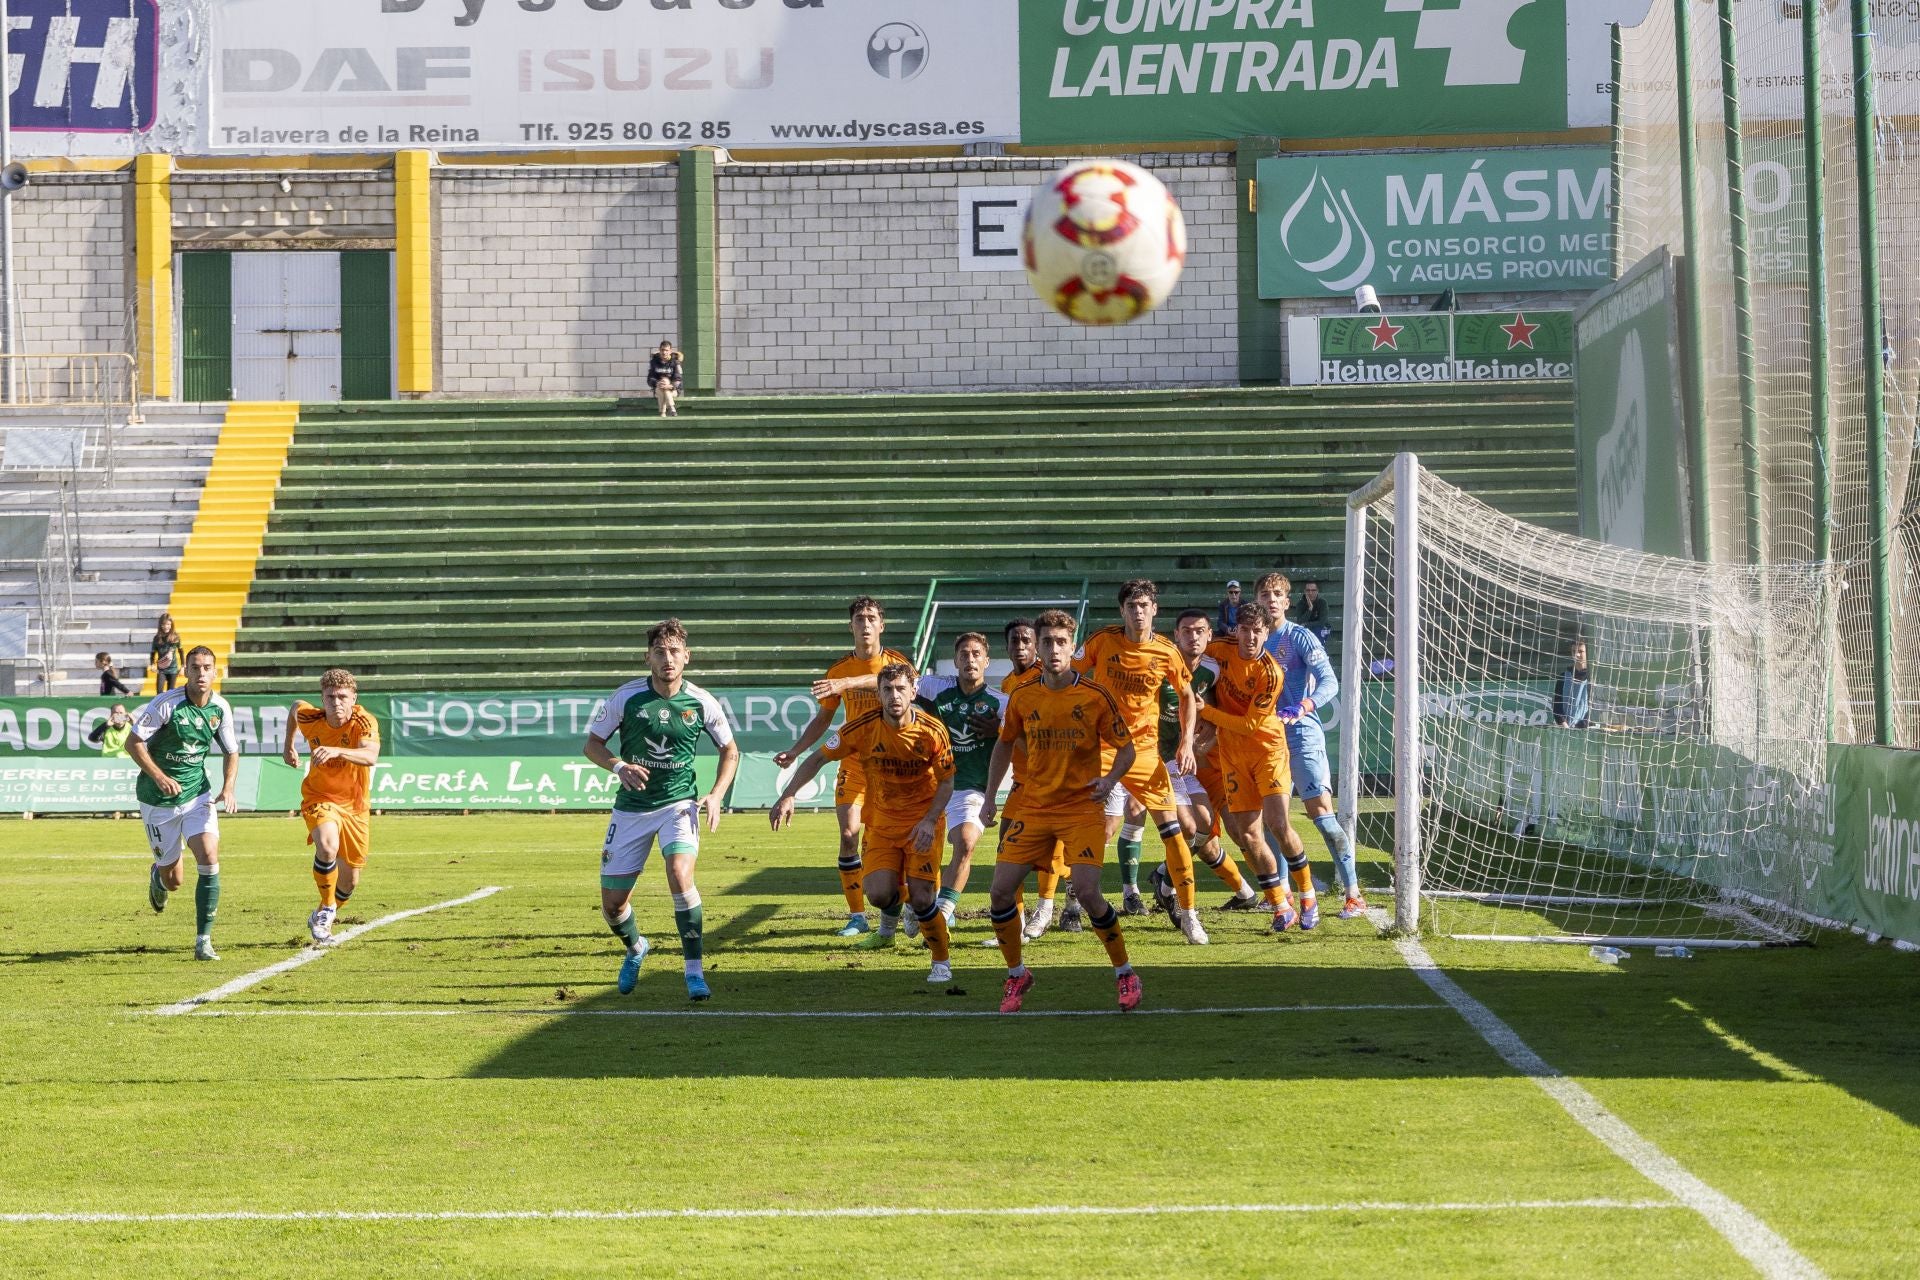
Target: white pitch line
655 1215
801 1015
311 954
1739 1226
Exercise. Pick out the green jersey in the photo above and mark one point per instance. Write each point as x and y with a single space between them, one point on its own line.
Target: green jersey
178 736
662 735
1202 677
972 747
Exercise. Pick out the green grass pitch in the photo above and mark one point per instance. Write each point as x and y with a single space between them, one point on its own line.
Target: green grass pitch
1329 1138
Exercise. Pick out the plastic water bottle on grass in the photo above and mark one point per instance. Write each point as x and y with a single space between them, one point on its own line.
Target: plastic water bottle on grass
1674 953
1607 955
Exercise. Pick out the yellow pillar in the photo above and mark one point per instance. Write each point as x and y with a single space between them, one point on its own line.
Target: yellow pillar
153 273
413 266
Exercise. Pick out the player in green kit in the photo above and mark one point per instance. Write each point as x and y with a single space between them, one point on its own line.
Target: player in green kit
1191 633
971 712
660 719
170 740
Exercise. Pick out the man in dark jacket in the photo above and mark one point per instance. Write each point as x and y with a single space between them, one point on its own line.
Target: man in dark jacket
665 376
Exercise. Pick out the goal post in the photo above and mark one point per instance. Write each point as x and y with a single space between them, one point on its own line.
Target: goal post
1579 742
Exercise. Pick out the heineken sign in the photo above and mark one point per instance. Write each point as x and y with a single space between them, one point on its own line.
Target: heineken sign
1111 71
1495 346
1504 221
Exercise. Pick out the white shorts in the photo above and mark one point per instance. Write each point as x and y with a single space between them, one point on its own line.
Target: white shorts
1186 786
630 837
963 809
1117 802
170 827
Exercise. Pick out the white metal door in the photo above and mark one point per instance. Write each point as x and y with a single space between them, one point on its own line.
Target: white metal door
286 326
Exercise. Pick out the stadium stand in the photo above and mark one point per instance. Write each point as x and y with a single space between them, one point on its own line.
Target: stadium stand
527 545
133 523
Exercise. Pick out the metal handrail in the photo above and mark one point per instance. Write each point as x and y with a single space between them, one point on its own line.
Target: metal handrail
107 380
926 630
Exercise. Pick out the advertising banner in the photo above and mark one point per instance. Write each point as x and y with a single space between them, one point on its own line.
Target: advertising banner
101 77
318 75
1629 443
1491 346
1498 221
1095 71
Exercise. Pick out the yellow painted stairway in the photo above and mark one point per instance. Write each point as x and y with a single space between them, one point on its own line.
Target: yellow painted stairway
216 570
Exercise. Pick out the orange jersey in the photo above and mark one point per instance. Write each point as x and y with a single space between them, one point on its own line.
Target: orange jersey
904 767
859 701
336 782
1014 679
1070 736
1133 674
1244 696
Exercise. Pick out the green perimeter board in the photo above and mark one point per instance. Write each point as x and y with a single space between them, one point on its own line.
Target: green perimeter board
1182 70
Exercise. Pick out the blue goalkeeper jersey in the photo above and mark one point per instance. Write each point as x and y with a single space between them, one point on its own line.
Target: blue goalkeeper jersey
1303 660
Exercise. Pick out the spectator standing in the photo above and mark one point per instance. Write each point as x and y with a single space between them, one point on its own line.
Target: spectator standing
666 375
1311 612
110 735
1573 691
165 657
1228 617
110 682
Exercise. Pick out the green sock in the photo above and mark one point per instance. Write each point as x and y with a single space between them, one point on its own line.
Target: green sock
628 931
1130 863
206 902
889 919
949 895
690 921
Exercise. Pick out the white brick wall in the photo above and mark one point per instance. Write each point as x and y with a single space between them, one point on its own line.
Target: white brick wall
554 281
74 258
226 206
838 276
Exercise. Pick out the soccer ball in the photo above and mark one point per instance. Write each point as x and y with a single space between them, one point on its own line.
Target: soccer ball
1103 242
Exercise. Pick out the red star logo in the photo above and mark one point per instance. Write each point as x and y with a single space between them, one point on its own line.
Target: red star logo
1386 335
1519 333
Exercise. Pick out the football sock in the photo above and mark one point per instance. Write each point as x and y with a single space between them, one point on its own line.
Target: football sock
206 897
1006 927
690 920
889 920
948 895
1049 881
1301 875
1221 865
325 874
850 871
1130 833
625 927
933 927
1179 862
340 895
1107 929
1273 889
1342 850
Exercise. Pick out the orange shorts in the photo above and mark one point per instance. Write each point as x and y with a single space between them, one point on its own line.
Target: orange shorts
1030 840
891 849
1213 781
1147 781
850 784
1252 772
352 824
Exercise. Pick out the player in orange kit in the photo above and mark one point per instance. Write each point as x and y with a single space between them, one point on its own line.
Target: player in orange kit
866 619
343 744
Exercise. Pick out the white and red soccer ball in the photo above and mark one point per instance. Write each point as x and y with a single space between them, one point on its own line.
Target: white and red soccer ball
1104 242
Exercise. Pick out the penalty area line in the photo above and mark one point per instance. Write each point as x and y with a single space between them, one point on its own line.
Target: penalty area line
310 954
877 1211
1764 1249
809 1014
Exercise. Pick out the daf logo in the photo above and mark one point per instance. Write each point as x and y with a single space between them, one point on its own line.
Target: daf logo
897 51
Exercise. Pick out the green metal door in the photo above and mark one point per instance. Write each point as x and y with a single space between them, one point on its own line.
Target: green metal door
206 321
366 325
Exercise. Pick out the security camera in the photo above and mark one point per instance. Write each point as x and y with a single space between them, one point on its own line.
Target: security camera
1365 299
286 186
13 177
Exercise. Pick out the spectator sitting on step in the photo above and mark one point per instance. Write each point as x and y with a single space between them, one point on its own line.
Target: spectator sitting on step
1228 617
165 656
666 375
110 735
1311 612
110 682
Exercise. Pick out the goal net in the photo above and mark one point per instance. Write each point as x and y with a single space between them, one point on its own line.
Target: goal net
1581 743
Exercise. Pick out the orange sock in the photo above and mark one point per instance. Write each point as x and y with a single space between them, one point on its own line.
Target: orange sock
1221 865
1008 932
1302 878
934 930
326 875
850 872
1049 881
1274 889
1108 931
1179 865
